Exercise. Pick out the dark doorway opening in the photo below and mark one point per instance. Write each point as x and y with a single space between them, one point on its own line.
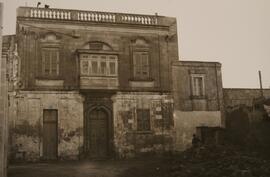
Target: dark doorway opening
50 119
97 131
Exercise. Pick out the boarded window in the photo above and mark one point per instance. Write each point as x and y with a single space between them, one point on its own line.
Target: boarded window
143 119
50 62
141 65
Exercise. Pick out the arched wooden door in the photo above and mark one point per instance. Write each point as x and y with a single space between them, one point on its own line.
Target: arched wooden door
97 133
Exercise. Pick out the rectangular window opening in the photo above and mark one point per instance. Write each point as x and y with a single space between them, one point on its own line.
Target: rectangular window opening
143 120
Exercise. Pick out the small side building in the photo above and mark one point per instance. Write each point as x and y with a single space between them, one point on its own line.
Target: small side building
198 98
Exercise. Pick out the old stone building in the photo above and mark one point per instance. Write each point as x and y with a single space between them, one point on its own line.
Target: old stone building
198 98
92 84
86 85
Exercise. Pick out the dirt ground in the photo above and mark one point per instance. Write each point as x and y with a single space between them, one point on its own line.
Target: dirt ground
109 168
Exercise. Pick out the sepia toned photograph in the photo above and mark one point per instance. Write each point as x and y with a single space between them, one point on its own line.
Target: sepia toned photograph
145 88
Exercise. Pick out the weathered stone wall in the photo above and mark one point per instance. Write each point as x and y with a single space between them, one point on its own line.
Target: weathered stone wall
190 111
127 139
162 41
235 97
3 106
186 123
26 123
212 100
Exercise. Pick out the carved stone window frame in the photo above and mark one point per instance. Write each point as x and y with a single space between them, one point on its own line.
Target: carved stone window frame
50 43
140 46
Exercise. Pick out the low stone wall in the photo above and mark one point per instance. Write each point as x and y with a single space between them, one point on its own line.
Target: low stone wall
186 123
235 96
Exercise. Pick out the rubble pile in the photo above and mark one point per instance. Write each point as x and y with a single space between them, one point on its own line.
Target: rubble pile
218 161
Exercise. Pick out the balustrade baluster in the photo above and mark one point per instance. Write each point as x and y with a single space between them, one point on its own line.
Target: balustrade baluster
42 13
81 16
92 16
49 14
35 12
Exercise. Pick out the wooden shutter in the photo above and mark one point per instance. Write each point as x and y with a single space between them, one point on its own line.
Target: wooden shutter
137 65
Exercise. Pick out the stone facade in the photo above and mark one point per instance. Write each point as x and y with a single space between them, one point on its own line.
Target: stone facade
87 85
198 98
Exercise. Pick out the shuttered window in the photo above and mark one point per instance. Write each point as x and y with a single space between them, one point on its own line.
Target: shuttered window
50 62
141 65
197 85
143 120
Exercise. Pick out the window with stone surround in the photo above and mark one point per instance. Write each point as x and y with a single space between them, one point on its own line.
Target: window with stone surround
141 65
50 62
98 65
143 120
50 59
140 59
197 85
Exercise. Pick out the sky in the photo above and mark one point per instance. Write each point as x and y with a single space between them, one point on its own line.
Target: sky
235 33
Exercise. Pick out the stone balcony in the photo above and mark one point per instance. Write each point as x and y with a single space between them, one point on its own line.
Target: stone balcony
88 16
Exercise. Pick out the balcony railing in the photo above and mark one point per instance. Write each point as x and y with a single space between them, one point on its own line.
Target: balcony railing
90 16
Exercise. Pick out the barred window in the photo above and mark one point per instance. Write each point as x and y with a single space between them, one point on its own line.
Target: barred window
143 120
